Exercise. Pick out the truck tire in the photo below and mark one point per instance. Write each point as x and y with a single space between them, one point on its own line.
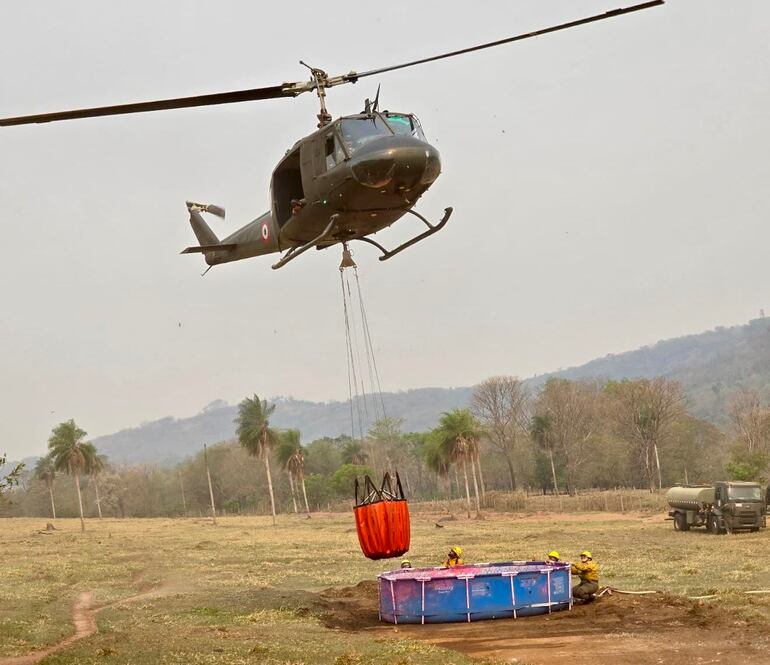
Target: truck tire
680 522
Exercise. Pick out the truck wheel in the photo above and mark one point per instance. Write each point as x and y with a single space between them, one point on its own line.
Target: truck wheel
680 522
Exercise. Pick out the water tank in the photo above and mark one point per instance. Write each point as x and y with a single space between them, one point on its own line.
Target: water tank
474 592
690 498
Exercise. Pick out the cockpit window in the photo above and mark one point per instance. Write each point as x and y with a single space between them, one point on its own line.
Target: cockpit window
359 131
405 124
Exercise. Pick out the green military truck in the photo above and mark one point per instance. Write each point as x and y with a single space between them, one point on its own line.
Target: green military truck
723 507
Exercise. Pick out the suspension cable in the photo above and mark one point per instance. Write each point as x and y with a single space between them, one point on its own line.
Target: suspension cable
354 340
374 374
351 366
356 352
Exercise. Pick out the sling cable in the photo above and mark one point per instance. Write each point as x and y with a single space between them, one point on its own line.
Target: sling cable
382 514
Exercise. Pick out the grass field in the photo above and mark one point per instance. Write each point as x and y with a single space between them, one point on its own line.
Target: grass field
185 591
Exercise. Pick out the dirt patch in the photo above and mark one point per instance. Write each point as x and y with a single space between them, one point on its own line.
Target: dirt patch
615 629
351 608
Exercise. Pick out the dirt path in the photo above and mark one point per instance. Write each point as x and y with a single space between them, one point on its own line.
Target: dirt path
83 617
618 630
84 620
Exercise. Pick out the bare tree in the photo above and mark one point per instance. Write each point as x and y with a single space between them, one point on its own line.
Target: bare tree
751 420
569 408
500 404
644 411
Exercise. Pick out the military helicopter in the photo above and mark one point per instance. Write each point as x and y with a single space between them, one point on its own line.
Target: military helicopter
352 177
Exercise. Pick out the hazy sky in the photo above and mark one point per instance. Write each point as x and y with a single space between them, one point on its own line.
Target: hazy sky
610 187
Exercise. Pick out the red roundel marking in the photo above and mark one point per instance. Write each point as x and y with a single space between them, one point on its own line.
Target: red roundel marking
265 232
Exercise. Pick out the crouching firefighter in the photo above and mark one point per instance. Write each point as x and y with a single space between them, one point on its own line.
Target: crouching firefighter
588 572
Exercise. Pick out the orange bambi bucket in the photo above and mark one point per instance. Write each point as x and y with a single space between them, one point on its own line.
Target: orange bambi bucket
382 519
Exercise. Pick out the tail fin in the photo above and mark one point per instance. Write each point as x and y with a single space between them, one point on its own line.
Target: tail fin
202 231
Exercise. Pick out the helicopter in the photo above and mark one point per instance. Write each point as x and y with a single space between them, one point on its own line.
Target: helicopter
353 177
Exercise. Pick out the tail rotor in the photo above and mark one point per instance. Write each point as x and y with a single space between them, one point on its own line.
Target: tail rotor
210 208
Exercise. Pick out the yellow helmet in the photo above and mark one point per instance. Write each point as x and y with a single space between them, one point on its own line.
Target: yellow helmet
586 553
457 550
553 554
406 563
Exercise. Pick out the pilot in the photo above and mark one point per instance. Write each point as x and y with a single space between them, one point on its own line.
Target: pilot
296 206
453 558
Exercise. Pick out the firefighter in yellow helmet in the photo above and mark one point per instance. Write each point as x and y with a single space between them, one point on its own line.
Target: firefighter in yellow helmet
405 563
588 572
453 558
553 557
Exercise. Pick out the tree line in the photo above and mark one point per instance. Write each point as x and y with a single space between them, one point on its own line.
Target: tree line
566 437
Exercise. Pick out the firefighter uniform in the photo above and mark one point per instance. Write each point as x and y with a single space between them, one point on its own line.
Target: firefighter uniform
454 558
588 572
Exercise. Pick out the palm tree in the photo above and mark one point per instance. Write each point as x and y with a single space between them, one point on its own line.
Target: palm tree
437 461
256 436
97 466
353 452
45 471
287 446
459 433
291 457
72 455
541 434
297 465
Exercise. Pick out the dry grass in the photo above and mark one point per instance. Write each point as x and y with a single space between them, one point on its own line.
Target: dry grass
243 591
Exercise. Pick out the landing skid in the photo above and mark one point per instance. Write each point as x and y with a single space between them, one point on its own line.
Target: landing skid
432 228
294 252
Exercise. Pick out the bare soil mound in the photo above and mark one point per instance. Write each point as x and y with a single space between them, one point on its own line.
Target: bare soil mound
614 629
351 608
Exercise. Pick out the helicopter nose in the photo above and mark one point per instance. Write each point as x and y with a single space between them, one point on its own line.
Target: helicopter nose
403 160
416 162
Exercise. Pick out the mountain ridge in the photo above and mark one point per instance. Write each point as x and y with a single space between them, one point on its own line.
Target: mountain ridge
711 366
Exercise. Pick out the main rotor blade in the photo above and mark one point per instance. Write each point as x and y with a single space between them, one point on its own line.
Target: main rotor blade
161 105
352 77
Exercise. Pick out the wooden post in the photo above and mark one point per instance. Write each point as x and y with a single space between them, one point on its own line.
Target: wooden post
622 509
211 491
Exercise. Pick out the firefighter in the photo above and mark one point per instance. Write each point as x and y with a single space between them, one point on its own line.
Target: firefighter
406 563
588 572
553 557
453 558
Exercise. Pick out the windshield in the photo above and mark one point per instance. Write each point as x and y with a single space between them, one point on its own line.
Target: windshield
359 131
744 493
405 124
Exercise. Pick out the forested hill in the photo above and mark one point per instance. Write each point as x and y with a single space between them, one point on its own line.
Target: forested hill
169 440
711 366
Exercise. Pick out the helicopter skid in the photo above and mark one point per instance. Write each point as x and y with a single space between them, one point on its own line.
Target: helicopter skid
432 228
294 252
